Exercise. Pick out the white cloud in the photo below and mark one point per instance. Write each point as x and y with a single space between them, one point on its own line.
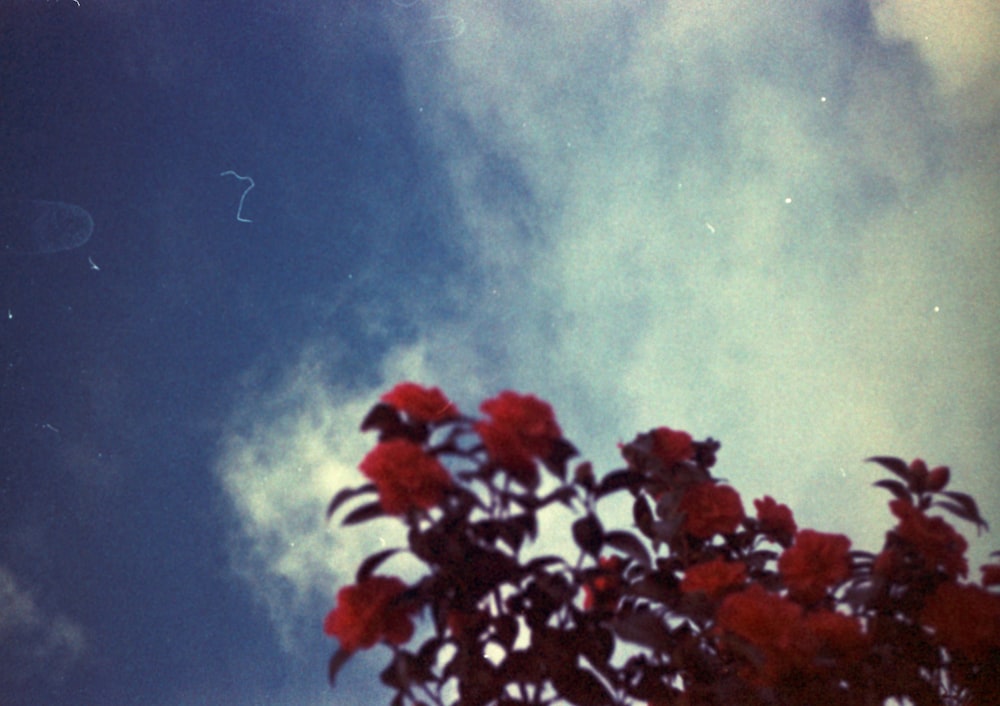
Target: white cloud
36 642
735 218
290 448
958 41
839 304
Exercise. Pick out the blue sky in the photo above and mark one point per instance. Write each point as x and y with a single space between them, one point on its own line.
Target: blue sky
774 223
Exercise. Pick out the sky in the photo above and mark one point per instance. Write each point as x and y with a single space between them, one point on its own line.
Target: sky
773 223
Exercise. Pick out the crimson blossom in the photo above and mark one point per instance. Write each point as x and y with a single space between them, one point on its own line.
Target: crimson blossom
784 639
422 404
672 446
814 563
964 618
368 612
933 538
521 428
713 613
776 520
711 508
714 578
405 476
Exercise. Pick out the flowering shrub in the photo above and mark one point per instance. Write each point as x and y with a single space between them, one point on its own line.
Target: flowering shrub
715 607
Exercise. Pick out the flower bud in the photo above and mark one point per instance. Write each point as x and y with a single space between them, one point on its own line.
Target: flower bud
918 475
584 475
938 478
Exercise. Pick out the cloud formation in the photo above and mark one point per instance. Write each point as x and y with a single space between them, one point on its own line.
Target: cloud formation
289 450
772 223
36 644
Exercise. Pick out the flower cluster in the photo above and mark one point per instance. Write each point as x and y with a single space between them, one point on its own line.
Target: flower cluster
716 606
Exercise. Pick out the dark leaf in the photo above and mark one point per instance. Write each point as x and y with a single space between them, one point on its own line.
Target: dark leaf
967 502
662 588
381 417
643 516
581 687
629 544
562 451
369 565
962 512
513 535
859 594
394 675
338 660
521 666
665 530
505 630
616 480
542 562
364 513
891 463
345 495
597 644
643 627
589 534
528 522
563 495
896 488
427 655
489 530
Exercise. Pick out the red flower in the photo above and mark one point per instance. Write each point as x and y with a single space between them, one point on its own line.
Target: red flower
776 520
521 429
672 447
711 509
937 541
887 563
938 478
787 639
840 636
603 591
422 404
768 622
405 476
713 578
964 618
814 563
368 612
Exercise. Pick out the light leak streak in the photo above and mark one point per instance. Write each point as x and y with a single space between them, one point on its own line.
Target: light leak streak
246 191
455 28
